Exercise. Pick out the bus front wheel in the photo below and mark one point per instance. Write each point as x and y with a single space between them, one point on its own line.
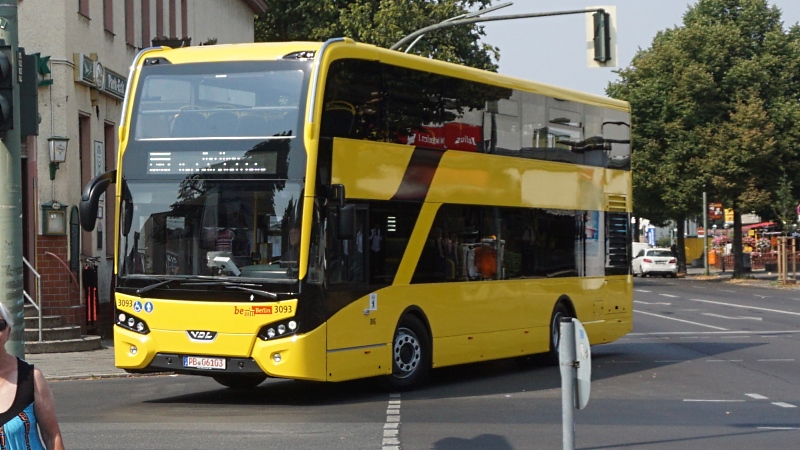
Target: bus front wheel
411 354
240 381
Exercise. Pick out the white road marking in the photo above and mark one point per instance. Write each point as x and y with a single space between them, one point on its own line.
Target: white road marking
391 429
711 332
652 303
712 400
642 290
777 360
731 318
777 428
733 305
681 320
784 405
757 396
669 295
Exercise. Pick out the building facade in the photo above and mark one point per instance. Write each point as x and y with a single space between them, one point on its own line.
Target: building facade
85 50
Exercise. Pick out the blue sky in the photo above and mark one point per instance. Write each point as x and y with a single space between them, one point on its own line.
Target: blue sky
553 49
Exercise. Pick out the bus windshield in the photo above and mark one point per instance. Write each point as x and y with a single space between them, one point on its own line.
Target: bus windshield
212 177
218 101
228 228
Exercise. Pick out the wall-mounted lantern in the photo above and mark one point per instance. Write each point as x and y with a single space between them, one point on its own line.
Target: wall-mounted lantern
54 219
58 153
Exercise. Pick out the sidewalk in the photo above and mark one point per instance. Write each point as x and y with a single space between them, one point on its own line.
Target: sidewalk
78 365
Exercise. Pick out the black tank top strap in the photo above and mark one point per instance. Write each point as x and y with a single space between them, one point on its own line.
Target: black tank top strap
25 392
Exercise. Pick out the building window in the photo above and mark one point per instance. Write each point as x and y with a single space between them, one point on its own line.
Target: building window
83 7
108 15
130 32
146 36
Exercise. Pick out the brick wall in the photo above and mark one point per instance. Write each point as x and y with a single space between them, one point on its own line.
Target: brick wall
60 290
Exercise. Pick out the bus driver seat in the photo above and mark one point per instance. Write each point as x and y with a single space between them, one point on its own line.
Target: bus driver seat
338 118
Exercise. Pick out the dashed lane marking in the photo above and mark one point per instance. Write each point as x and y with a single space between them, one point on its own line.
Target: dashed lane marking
391 429
652 303
734 305
681 320
720 316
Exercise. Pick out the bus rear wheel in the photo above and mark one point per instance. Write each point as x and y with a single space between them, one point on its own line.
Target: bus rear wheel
240 382
559 312
411 354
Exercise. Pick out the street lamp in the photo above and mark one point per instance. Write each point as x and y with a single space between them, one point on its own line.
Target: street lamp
58 153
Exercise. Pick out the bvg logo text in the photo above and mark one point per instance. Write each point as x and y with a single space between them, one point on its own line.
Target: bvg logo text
252 311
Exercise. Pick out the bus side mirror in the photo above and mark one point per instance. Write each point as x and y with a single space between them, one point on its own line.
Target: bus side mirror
336 192
91 197
346 221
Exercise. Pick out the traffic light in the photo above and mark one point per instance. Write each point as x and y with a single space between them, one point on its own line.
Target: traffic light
602 36
6 88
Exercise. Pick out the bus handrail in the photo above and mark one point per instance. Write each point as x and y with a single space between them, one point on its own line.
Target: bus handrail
36 303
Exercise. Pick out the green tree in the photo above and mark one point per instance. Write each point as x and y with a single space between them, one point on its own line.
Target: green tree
382 23
715 107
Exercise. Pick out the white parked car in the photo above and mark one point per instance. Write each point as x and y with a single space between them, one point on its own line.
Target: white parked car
655 261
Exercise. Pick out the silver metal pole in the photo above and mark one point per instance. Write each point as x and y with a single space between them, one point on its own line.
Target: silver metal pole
705 230
569 379
11 276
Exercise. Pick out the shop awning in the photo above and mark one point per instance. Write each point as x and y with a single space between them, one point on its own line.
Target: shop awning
757 225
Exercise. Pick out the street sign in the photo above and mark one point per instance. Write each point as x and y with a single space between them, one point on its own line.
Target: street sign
583 356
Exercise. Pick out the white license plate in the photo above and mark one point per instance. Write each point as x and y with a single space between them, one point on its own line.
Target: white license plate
203 362
661 262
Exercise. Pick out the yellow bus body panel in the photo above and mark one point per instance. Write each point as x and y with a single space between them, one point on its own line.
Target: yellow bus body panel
496 319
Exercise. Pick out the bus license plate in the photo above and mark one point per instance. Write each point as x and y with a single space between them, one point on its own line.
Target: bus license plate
202 362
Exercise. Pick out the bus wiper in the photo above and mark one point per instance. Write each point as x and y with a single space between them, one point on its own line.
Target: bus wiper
271 295
234 285
150 287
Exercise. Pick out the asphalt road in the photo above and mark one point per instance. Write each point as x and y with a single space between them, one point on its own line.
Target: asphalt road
708 366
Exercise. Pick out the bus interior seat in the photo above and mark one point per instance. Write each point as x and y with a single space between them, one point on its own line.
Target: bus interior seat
284 125
251 125
152 126
338 119
222 123
188 124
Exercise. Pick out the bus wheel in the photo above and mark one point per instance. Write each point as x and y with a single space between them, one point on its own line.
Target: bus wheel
559 313
411 354
240 381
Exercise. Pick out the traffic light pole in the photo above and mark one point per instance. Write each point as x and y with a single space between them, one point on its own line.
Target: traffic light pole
470 20
11 277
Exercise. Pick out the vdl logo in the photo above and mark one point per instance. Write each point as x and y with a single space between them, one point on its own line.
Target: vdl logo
201 336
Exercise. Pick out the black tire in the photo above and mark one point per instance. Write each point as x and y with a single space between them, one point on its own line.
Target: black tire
411 354
240 382
559 312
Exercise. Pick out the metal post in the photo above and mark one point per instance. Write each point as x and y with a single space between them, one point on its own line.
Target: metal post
705 230
566 359
11 277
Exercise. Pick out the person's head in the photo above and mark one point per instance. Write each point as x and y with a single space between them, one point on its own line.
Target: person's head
294 236
7 319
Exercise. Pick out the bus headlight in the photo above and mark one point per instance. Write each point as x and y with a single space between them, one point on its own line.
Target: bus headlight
131 322
280 329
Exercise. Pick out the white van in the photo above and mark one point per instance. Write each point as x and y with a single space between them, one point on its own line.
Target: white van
637 247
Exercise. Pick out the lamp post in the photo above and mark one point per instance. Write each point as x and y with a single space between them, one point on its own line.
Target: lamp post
58 153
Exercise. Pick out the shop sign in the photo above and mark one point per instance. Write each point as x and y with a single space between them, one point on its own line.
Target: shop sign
84 69
90 72
115 84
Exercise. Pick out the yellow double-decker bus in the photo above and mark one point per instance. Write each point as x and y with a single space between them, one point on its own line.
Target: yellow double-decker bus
333 211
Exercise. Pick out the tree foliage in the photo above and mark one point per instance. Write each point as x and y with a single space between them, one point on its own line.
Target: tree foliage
382 23
715 104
